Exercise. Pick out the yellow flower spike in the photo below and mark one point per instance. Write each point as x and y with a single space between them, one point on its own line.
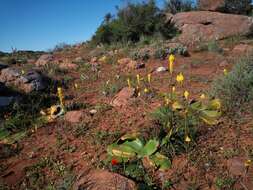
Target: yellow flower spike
247 163
186 94
146 90
167 101
149 78
173 89
187 139
129 83
171 62
225 71
202 96
180 78
138 79
60 95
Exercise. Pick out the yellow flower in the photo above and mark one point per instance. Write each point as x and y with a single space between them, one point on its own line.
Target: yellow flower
173 89
248 163
76 85
103 59
60 95
167 101
180 78
139 94
146 90
202 96
171 62
225 71
149 78
215 104
129 83
138 79
22 72
187 139
177 106
186 94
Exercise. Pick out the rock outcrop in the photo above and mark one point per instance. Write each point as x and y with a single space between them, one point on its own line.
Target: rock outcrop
198 26
211 5
44 59
28 82
123 97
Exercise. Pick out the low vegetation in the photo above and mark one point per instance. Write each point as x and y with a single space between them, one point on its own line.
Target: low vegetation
235 87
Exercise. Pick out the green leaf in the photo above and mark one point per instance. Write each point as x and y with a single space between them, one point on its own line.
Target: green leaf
136 145
150 148
123 151
210 117
160 161
15 137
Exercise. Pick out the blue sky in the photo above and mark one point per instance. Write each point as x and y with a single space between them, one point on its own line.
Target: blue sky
41 24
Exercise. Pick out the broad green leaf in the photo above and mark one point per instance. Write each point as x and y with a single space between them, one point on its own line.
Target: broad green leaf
123 151
15 137
110 147
210 117
150 148
136 145
215 104
160 161
196 105
4 134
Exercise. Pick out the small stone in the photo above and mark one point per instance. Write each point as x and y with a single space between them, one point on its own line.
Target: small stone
224 63
161 69
74 116
93 112
236 166
68 66
44 59
242 48
123 97
5 101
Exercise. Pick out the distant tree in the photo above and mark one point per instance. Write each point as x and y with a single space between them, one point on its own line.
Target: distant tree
175 6
108 17
238 6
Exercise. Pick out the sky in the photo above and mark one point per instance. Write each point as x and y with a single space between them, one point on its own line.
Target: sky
41 24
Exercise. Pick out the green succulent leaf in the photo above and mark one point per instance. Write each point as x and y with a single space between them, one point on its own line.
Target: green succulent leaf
160 161
123 151
136 145
150 148
210 117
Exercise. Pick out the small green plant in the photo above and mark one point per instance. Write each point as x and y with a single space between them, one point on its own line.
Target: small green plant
224 183
179 121
143 55
211 46
235 88
131 147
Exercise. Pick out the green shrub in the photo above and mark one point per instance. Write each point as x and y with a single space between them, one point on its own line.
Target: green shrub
163 52
238 6
140 55
175 6
235 88
133 23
